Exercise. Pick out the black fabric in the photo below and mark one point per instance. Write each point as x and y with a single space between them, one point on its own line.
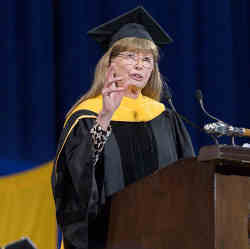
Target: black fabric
131 30
183 141
80 189
138 149
166 141
74 185
73 118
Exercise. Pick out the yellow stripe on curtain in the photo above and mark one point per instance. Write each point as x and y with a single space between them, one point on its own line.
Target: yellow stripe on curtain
27 208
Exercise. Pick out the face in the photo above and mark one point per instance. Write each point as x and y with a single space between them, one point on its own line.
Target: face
134 67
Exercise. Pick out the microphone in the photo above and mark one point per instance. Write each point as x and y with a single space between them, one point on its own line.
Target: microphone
221 129
169 99
199 97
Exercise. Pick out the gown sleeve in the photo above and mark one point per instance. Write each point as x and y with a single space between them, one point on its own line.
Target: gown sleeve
183 141
75 187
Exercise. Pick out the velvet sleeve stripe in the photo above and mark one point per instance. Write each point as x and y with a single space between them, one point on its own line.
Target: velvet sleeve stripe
68 127
70 120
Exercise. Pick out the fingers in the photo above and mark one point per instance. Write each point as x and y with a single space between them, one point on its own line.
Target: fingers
110 74
110 77
114 83
108 91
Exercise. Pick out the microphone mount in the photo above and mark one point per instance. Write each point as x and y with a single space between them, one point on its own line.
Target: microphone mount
222 129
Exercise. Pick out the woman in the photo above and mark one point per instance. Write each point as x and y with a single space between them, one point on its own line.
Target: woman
116 134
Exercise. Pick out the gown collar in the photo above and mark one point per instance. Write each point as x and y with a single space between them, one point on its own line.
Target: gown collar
141 109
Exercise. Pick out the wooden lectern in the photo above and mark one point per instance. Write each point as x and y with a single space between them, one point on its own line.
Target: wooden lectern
196 203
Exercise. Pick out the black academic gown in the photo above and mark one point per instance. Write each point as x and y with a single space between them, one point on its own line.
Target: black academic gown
145 137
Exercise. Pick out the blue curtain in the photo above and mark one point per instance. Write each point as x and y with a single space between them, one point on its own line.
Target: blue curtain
46 65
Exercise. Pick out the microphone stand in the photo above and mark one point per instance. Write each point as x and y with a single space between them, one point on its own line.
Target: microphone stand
199 97
168 97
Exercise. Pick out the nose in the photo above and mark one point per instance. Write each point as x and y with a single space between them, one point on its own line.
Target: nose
139 63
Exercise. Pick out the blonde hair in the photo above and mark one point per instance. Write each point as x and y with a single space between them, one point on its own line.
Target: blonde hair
152 89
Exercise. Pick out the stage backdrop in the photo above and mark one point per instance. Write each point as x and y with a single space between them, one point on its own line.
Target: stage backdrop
45 66
27 208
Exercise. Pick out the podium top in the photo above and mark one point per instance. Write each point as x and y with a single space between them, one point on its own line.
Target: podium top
230 153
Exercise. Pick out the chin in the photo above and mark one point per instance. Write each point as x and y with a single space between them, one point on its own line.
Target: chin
137 84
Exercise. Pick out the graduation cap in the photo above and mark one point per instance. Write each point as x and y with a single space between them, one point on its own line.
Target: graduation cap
135 23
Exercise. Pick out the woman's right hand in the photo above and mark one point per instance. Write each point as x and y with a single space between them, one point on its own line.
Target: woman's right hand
112 97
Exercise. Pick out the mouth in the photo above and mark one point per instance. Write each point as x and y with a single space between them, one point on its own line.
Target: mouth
136 76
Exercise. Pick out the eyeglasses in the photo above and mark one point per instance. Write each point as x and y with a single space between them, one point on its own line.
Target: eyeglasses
132 59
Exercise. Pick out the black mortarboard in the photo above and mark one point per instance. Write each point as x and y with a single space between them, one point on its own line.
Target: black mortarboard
135 23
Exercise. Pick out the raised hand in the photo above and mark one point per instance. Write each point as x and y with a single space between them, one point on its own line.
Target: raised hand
112 94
